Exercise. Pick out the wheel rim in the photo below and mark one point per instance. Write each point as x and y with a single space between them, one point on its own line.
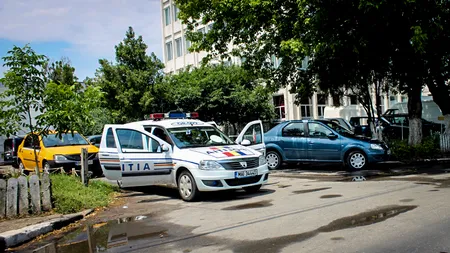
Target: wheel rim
21 168
272 160
357 161
46 167
186 186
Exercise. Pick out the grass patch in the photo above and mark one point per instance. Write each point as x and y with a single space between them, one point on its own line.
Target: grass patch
71 196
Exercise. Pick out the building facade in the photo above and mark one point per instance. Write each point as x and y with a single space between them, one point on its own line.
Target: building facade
176 56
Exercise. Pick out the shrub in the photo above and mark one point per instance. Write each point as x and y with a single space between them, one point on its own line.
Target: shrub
428 149
70 195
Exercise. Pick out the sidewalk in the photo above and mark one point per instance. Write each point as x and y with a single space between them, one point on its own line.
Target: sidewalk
17 231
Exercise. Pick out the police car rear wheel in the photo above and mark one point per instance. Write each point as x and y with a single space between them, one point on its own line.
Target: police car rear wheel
187 187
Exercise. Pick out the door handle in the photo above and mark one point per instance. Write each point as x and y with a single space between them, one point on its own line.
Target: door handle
104 154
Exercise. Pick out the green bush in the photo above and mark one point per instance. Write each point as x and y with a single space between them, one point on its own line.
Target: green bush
428 149
70 195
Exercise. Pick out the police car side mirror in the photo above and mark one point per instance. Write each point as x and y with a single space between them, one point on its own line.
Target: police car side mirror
245 143
164 148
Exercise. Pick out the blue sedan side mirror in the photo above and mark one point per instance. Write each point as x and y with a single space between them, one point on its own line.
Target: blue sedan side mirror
332 136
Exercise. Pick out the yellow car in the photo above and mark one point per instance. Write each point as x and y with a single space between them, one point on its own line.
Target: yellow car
53 152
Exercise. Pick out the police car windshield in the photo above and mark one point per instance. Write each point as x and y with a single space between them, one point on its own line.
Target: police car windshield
190 137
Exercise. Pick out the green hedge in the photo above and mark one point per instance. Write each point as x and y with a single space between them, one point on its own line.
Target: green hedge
428 149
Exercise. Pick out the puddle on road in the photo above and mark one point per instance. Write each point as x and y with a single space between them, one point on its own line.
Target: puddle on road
106 235
259 204
330 196
311 190
406 200
337 238
363 219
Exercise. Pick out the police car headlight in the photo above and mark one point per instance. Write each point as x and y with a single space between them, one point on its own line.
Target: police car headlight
262 160
210 165
59 158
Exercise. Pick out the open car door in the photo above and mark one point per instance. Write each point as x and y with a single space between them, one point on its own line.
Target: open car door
252 136
135 157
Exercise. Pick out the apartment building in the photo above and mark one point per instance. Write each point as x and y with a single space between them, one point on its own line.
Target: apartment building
177 56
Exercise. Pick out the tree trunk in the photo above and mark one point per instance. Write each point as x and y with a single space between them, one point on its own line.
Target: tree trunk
36 169
415 116
445 137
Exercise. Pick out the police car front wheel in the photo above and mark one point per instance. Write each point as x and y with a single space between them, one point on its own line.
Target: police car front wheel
187 187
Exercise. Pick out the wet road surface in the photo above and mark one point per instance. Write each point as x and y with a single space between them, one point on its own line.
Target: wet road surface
293 213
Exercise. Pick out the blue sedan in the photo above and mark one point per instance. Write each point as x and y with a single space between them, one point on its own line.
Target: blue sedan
321 141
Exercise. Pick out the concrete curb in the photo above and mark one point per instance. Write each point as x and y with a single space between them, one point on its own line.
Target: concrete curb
16 237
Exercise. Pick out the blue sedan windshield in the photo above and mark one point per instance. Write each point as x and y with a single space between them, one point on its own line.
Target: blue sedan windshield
339 129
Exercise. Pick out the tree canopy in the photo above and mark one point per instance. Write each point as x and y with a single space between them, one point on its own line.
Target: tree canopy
352 44
125 81
225 94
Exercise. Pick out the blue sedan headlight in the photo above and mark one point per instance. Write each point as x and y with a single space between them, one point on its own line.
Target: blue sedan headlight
376 146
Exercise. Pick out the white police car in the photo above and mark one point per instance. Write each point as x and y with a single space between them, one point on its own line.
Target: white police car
175 149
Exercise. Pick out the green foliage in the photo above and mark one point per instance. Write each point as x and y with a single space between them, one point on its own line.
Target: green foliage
70 195
62 72
125 81
428 149
69 108
25 87
352 44
225 94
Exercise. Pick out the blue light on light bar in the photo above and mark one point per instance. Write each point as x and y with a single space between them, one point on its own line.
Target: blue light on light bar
176 115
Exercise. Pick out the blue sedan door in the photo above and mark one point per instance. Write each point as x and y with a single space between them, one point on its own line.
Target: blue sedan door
293 141
323 145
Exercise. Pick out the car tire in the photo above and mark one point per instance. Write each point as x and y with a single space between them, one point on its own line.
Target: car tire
273 159
22 169
252 189
187 187
356 160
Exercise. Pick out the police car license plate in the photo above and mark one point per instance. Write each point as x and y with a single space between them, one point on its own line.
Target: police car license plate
90 162
245 173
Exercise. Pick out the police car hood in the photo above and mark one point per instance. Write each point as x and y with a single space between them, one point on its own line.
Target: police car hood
231 151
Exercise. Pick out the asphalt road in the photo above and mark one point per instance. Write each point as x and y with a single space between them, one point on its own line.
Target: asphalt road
291 214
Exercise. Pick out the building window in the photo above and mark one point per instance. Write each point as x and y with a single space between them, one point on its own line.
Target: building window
202 30
169 51
306 108
353 100
321 104
187 45
278 102
179 47
175 12
167 15
404 98
210 27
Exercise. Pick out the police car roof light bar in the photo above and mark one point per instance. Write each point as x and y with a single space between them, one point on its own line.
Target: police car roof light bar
157 116
192 115
175 115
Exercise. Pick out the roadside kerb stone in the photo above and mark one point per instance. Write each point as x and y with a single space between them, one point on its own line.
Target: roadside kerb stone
16 237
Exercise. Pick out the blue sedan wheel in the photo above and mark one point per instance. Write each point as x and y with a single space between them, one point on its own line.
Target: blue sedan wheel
273 160
356 160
